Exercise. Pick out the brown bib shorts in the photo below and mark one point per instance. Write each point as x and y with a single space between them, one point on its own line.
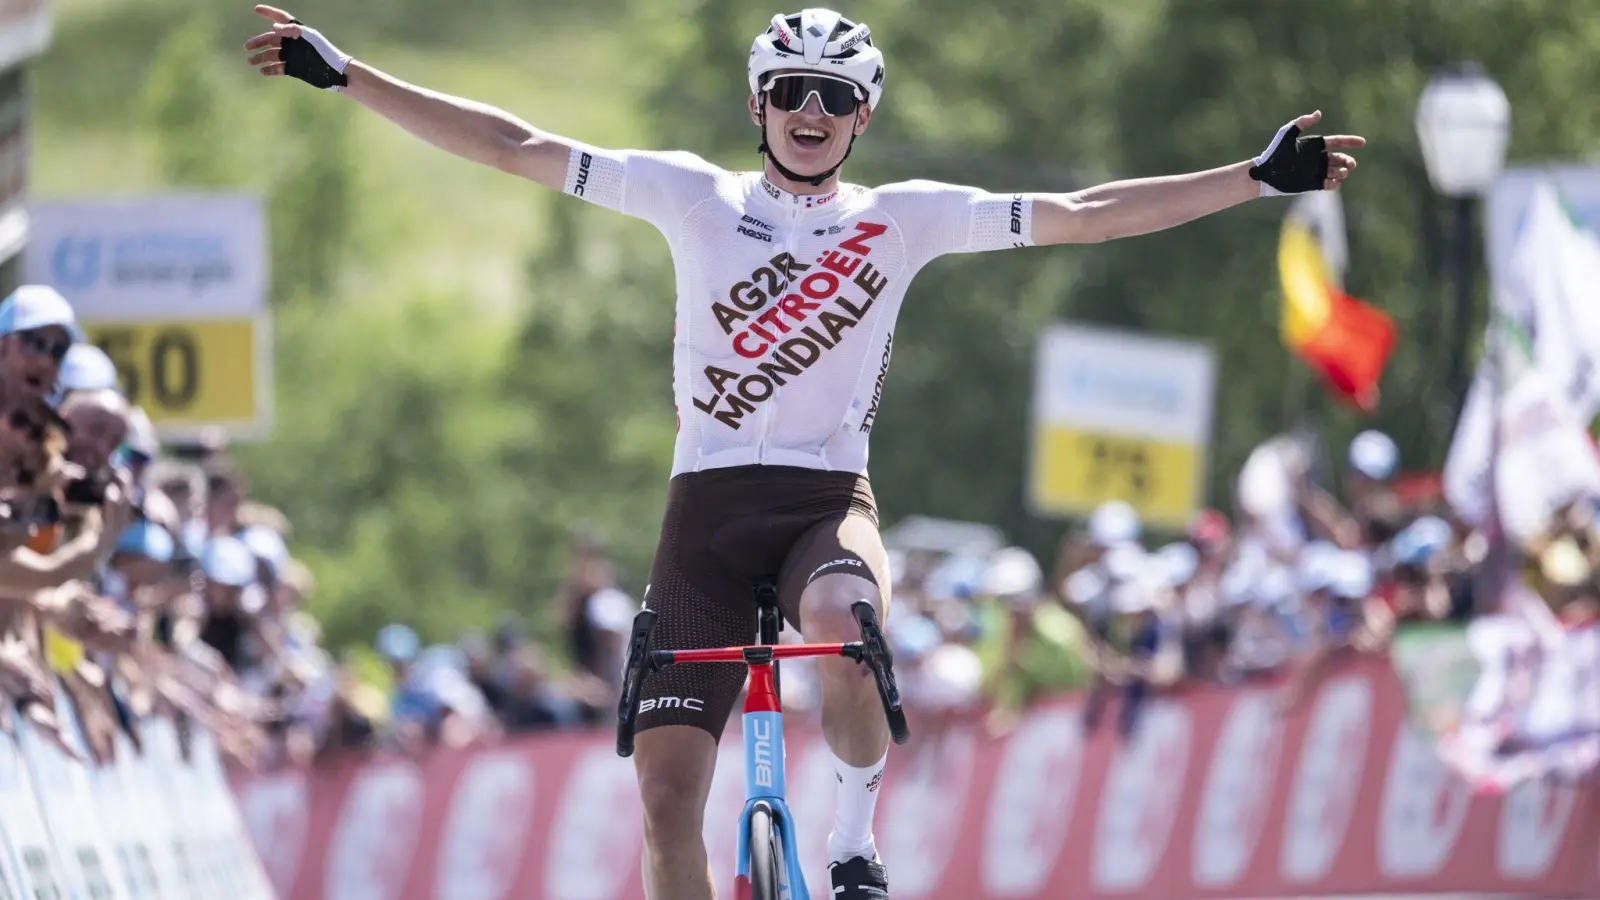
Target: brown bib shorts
723 530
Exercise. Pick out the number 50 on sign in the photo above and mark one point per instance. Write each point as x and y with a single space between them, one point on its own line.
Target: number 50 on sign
188 374
1120 416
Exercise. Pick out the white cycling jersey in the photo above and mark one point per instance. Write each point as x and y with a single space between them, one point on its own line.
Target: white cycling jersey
787 302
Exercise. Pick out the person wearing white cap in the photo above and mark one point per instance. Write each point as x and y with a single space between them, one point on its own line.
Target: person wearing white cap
1336 584
1373 460
98 420
1373 457
229 569
84 368
37 326
1090 560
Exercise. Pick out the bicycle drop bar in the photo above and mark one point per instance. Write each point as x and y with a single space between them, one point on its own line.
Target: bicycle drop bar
872 650
639 665
875 653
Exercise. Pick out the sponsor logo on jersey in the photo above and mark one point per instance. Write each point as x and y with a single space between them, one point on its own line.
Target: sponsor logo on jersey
816 200
752 220
755 234
788 315
877 386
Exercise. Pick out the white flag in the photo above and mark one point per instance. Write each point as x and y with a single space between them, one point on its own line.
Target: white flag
1546 317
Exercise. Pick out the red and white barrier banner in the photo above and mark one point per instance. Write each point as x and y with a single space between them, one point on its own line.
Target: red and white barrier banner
1215 796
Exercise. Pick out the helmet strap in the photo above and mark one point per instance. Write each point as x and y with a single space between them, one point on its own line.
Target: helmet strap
785 171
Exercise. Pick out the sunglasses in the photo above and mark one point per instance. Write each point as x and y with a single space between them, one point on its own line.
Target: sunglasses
36 344
19 420
790 93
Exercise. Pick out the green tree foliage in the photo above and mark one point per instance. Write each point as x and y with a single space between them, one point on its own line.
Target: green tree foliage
312 198
184 109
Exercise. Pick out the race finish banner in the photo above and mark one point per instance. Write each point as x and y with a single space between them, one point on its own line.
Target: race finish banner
174 290
1120 416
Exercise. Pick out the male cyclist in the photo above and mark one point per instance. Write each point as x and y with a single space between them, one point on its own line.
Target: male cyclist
788 284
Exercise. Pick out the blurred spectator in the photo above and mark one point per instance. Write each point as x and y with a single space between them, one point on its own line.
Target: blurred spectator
598 615
432 702
1207 618
481 671
1029 643
37 327
598 620
226 624
223 498
532 701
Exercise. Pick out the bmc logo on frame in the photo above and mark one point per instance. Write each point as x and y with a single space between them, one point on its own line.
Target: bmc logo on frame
692 704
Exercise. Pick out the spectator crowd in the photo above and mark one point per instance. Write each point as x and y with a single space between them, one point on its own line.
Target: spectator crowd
144 580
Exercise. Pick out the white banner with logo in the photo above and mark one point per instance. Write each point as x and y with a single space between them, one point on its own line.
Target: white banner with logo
151 826
174 289
1120 416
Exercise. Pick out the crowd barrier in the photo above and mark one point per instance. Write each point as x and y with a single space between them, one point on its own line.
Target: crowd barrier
151 826
1215 797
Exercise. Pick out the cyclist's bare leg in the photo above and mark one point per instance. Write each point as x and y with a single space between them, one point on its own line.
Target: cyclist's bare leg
674 765
852 713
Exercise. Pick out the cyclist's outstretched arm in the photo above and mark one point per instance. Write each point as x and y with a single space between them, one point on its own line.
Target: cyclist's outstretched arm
471 130
1291 164
466 128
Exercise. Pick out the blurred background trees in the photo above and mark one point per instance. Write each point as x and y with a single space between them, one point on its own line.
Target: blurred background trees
468 369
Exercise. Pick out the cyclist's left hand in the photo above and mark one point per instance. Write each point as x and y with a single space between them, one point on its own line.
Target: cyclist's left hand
1294 164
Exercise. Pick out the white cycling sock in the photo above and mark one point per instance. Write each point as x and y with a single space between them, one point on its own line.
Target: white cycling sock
852 817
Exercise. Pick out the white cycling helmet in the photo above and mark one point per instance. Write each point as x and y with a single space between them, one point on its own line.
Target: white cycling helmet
823 41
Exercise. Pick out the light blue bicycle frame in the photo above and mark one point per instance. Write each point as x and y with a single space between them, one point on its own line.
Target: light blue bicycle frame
765 783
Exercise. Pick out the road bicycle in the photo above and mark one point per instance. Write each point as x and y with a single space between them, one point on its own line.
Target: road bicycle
768 866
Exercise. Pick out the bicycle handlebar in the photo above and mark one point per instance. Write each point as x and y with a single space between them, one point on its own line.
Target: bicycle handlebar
872 650
639 665
875 650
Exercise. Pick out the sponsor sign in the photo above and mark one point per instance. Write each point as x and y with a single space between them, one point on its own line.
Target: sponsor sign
1120 416
174 289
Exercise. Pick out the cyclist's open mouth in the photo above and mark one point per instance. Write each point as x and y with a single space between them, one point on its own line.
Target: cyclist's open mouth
808 137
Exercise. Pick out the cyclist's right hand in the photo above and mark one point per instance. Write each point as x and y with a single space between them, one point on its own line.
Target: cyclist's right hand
298 51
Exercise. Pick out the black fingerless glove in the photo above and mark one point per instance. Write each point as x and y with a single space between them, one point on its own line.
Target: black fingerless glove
314 59
1291 164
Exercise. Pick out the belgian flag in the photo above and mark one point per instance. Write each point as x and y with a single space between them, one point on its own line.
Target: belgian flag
1345 341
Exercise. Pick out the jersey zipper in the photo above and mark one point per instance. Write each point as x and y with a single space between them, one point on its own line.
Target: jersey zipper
770 408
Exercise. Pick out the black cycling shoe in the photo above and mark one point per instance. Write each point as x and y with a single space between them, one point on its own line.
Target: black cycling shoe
859 879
